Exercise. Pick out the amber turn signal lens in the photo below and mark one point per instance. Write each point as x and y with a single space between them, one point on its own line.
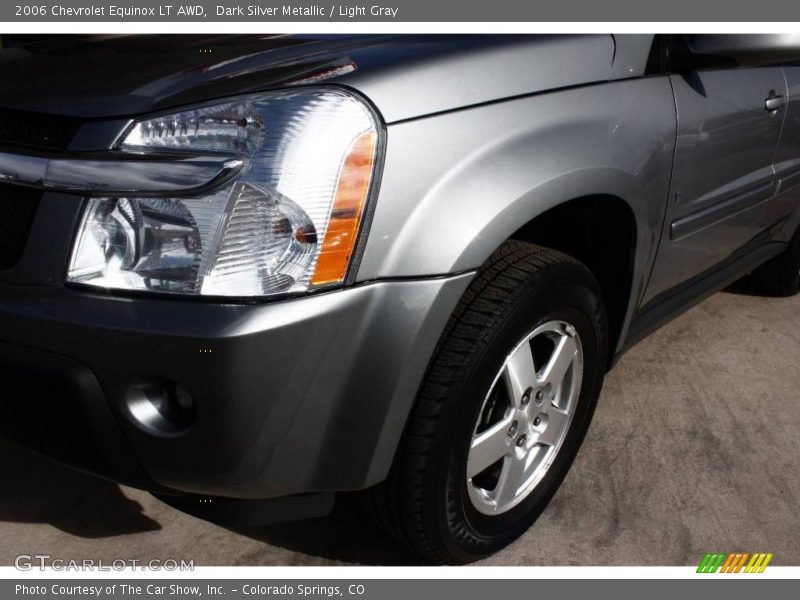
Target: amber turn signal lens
347 211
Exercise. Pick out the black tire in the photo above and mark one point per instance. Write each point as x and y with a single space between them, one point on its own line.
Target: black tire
424 502
780 276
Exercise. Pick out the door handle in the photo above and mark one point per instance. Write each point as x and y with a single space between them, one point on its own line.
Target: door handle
773 102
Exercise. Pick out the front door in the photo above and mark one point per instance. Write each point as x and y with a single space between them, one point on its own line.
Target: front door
729 122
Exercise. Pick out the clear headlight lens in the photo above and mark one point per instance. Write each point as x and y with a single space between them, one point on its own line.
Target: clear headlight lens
223 127
288 222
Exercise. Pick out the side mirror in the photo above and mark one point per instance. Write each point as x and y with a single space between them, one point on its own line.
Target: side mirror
744 49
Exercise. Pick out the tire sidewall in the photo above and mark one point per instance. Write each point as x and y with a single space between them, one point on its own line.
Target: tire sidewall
568 293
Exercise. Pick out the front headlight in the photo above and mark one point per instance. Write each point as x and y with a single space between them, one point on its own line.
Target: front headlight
287 222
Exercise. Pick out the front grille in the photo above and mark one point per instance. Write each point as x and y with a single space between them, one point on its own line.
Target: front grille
34 130
17 210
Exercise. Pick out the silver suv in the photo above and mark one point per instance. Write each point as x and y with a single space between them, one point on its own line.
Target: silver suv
262 270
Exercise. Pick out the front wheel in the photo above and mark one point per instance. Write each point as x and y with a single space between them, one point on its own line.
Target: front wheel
503 409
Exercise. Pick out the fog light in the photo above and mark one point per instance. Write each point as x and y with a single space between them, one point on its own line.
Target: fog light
160 406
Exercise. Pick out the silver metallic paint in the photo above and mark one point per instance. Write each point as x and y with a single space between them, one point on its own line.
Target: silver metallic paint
443 81
722 177
482 137
455 186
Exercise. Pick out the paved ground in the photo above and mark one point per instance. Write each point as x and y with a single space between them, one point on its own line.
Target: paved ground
695 447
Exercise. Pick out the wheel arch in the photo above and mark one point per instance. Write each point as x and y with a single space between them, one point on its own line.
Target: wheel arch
600 231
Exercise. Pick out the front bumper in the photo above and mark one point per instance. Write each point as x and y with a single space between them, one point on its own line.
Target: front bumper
303 395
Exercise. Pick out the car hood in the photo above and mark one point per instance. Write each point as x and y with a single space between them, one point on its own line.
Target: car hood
406 76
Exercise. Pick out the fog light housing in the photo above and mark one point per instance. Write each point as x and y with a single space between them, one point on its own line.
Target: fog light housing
160 406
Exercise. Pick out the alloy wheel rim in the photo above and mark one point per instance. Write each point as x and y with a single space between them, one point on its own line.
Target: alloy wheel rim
525 417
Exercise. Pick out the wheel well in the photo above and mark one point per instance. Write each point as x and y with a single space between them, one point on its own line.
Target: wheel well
600 232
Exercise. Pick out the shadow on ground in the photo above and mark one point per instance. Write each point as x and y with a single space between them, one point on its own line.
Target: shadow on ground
744 287
346 535
38 490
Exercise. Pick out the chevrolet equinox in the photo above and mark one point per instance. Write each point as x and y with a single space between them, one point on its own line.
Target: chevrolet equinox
248 272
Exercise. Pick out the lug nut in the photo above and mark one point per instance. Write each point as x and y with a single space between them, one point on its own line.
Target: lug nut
526 397
521 441
537 421
540 396
512 430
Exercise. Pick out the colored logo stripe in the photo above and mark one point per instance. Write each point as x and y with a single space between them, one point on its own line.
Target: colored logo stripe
734 562
758 563
711 562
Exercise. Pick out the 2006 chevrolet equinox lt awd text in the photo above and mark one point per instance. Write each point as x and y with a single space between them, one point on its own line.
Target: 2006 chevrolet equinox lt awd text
262 270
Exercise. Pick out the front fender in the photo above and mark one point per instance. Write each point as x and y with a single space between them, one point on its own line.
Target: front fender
456 185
